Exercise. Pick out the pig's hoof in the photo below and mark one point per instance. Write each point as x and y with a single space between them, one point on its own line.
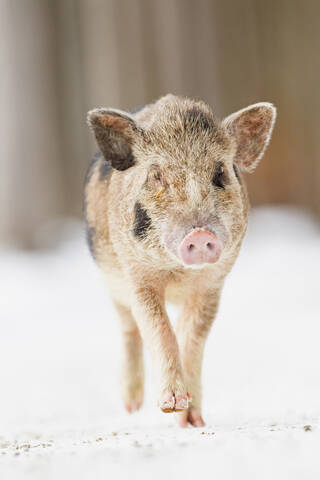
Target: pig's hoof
133 406
174 402
133 399
192 416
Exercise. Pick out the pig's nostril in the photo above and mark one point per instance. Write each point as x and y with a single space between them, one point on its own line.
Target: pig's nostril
199 247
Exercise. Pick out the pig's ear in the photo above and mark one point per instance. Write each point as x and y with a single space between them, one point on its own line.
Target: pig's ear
115 132
251 128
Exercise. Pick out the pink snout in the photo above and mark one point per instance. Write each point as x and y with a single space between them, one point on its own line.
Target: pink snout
200 247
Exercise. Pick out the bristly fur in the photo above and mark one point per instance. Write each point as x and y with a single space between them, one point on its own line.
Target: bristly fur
175 169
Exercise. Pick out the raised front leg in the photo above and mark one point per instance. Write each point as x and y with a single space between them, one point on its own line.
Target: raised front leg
132 372
193 327
152 319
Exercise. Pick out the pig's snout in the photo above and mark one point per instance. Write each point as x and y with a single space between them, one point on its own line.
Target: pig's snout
200 247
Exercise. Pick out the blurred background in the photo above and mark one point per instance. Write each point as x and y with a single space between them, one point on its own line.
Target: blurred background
60 345
60 58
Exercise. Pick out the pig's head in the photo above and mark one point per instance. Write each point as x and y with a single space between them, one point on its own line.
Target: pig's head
184 168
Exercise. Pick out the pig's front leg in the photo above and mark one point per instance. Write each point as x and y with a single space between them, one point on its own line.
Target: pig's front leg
154 325
192 331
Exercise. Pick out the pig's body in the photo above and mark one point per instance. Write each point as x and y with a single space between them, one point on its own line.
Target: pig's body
166 211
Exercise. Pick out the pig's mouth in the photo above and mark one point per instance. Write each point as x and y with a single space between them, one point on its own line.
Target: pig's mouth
199 247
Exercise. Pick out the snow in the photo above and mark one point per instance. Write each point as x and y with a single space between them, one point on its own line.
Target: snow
61 414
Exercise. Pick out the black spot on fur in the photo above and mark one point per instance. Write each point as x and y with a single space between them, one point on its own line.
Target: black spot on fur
198 119
90 235
142 221
105 169
236 171
90 231
92 164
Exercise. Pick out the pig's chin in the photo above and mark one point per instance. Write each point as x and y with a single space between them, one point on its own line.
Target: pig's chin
198 249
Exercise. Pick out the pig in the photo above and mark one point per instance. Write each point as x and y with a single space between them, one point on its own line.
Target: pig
166 209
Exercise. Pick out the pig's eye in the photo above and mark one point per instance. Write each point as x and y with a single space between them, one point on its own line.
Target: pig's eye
156 175
219 177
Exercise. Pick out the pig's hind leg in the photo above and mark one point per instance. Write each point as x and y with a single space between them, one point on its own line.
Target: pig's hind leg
192 331
132 372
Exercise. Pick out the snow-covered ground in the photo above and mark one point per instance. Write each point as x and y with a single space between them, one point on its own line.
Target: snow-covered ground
61 415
